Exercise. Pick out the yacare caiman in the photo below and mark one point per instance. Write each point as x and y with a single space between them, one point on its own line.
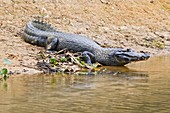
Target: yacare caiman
43 34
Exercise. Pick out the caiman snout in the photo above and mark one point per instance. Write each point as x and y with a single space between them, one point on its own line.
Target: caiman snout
130 56
145 56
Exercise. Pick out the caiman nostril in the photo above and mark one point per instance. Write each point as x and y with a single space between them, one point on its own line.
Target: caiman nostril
147 56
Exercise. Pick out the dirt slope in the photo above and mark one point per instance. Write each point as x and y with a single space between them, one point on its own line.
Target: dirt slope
138 24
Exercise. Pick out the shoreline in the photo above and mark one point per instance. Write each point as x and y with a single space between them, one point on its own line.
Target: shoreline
140 25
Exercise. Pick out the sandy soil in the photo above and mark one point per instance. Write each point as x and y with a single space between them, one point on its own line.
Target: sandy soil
138 24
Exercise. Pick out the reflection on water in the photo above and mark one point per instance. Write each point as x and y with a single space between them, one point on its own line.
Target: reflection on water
141 88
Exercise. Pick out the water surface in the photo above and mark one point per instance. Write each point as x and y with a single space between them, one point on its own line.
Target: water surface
141 87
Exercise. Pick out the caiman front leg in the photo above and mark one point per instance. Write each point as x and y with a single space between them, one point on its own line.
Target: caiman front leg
88 57
51 45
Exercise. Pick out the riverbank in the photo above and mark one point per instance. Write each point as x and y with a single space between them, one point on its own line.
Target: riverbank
140 25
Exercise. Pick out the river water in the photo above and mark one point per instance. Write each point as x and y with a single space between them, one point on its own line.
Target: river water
141 87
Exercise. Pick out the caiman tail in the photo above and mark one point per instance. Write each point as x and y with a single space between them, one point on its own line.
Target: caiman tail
37 33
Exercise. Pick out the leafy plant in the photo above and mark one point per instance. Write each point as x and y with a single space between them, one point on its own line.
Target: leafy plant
63 59
53 61
3 73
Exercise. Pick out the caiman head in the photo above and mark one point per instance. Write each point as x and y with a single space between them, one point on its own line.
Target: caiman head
123 57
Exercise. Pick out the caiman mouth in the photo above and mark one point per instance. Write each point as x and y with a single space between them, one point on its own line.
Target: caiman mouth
130 56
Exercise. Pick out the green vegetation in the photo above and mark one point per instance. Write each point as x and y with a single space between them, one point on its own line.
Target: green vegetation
53 61
64 62
63 59
154 44
4 71
158 44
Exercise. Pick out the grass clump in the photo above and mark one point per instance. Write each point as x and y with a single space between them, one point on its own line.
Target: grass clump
154 44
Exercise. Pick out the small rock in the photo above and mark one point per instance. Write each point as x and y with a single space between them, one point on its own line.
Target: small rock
123 28
104 1
165 35
104 29
167 43
152 1
24 70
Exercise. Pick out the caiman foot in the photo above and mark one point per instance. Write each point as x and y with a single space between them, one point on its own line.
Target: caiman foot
88 57
52 42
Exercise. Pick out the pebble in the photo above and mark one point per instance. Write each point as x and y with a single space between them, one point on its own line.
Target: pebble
104 1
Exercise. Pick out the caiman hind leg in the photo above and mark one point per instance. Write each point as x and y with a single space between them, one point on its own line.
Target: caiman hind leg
51 43
88 57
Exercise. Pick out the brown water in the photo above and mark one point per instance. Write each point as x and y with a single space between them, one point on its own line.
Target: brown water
141 88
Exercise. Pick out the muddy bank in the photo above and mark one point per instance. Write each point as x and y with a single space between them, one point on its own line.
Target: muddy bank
141 25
